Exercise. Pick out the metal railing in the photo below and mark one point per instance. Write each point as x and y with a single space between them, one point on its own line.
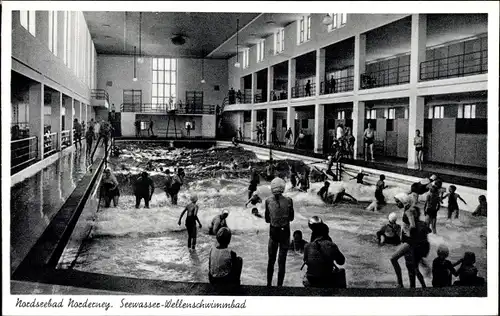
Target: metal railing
20 130
65 139
23 151
300 91
99 94
164 108
49 144
257 98
386 77
278 95
343 84
455 66
244 98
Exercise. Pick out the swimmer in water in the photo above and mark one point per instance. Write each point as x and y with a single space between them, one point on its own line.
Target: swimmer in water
191 211
293 176
256 213
298 243
340 196
359 177
323 192
390 233
254 200
254 182
453 198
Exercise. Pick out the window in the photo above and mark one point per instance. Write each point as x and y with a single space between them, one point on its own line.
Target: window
467 111
437 112
391 113
53 32
279 41
406 113
341 115
132 97
304 29
371 114
338 21
164 90
191 123
28 21
260 50
246 53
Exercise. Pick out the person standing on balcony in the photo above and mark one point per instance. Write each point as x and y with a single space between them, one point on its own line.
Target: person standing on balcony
333 85
240 133
369 136
308 88
78 133
274 137
137 128
231 96
239 96
188 129
150 128
289 136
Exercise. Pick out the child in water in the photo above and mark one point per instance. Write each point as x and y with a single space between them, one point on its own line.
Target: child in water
453 201
191 219
304 181
254 200
431 208
442 268
293 176
323 192
359 177
379 195
467 272
482 208
298 243
390 233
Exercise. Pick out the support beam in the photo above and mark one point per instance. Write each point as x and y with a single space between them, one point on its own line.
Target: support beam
358 127
320 69
253 125
319 127
270 83
68 116
415 121
269 125
291 76
359 59
290 120
254 86
56 116
36 116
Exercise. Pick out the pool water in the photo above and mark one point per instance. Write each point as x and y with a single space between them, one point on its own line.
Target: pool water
148 243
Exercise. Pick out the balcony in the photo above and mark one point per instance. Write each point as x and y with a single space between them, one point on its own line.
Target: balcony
278 95
386 77
300 91
100 98
166 108
469 64
23 151
343 84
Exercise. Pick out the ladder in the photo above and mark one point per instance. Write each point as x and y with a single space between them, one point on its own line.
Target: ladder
171 114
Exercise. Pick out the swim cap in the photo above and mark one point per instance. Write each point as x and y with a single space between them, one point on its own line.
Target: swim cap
223 236
393 217
107 170
330 157
315 220
403 198
278 186
194 198
360 170
443 250
225 212
433 177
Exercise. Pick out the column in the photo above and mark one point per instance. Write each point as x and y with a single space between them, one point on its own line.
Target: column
416 104
359 59
320 69
78 110
290 119
56 117
84 114
291 76
269 125
36 92
68 116
270 83
319 127
358 126
253 125
254 86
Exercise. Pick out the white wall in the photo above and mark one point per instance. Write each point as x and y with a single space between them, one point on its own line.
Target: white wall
208 126
120 70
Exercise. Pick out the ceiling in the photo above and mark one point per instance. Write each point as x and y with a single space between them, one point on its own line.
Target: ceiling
116 33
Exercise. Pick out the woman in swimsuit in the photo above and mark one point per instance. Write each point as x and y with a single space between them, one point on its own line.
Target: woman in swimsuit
418 141
369 136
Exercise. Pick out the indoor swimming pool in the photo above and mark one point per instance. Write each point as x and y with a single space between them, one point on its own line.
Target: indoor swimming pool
148 243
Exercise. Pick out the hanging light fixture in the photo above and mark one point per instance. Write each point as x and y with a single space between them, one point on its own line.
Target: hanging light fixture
140 60
237 63
203 66
327 19
135 70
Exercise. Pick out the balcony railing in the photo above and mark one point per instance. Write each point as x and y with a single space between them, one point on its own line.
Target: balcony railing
164 108
343 84
278 95
300 91
65 139
386 77
99 94
257 97
23 151
455 66
49 144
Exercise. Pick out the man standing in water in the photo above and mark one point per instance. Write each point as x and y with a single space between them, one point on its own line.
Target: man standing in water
191 219
142 189
279 213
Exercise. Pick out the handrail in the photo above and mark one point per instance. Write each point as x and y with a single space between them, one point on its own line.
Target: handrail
386 77
299 91
455 66
165 108
99 94
23 151
342 84
280 96
49 144
65 139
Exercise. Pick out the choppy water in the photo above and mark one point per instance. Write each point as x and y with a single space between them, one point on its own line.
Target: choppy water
148 243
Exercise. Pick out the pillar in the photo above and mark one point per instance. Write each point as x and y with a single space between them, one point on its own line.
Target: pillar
84 113
253 124
68 116
358 126
36 93
320 69
56 116
416 104
270 82
290 119
291 76
359 59
319 127
269 125
254 86
78 110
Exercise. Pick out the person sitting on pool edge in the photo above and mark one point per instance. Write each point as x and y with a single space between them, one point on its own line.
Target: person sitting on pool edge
109 188
298 243
224 266
143 189
320 256
191 211
390 233
218 222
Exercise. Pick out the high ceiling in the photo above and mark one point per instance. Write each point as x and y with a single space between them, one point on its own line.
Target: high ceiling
116 33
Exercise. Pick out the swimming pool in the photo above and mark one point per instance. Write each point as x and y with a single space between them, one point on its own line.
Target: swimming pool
148 243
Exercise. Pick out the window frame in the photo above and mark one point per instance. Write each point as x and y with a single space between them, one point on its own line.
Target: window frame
467 111
279 41
341 115
260 50
440 112
371 114
27 19
246 57
158 100
339 20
